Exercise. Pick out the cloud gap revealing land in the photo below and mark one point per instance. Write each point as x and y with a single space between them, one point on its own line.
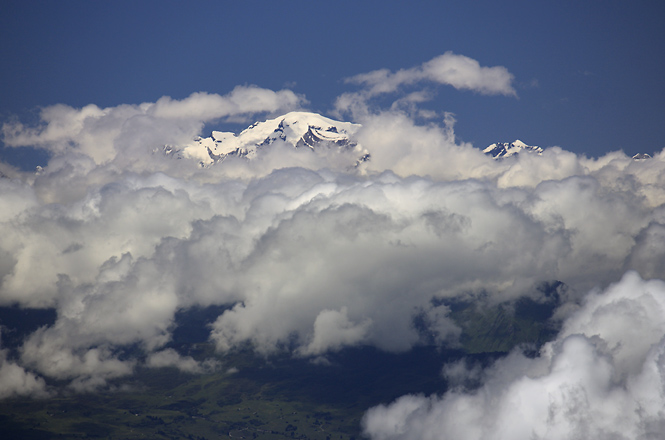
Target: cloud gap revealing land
360 273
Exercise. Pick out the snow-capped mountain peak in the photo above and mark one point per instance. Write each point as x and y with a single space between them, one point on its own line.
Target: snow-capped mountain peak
500 150
299 129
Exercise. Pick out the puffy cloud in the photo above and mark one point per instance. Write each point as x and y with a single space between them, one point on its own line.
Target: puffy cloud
459 71
91 238
629 317
603 377
466 73
451 69
104 134
462 373
417 239
241 101
333 330
16 381
648 254
51 352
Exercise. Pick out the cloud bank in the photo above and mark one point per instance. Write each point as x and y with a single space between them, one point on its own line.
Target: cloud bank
313 252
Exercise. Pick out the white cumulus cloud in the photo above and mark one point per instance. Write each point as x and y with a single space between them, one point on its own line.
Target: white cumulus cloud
451 69
16 381
105 133
603 377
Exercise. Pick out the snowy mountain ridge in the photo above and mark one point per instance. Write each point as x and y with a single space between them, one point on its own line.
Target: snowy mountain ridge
299 129
304 130
499 150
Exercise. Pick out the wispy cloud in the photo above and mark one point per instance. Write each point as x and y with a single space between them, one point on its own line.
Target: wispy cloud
458 71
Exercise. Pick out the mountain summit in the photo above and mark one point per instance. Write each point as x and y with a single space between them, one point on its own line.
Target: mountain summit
500 150
299 129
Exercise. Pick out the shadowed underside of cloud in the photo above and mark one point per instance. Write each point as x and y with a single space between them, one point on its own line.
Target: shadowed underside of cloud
312 252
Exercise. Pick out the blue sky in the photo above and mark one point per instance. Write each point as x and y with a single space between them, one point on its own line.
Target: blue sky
588 74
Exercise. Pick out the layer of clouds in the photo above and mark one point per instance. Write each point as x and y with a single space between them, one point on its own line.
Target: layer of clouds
313 258
603 377
313 253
